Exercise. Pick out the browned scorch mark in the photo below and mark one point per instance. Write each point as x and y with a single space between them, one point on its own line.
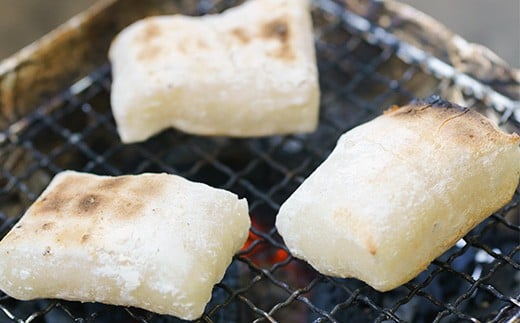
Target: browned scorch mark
371 246
150 31
89 203
113 182
124 196
148 53
51 203
241 35
279 29
85 238
453 122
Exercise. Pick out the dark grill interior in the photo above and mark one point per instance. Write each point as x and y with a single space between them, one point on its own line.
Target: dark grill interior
360 74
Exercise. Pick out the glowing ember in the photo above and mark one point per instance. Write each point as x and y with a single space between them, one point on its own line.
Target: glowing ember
263 254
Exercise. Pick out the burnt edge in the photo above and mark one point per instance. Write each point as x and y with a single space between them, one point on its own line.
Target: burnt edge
435 101
444 111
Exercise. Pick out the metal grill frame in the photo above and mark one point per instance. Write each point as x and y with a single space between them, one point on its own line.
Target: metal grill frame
19 141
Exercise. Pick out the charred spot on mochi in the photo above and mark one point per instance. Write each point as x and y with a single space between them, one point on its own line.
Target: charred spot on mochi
279 29
89 202
85 238
47 225
240 34
47 251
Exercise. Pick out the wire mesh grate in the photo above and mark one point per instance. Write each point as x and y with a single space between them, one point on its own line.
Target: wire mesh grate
476 280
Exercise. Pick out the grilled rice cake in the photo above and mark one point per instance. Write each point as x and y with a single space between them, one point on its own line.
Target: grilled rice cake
249 71
398 191
154 241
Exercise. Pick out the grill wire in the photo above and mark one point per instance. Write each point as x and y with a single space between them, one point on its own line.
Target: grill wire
476 280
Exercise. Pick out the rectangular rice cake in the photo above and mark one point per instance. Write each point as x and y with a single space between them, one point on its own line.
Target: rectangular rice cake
249 71
154 241
398 191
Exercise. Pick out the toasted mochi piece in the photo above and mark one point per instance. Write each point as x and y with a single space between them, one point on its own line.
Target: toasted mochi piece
154 241
398 191
250 71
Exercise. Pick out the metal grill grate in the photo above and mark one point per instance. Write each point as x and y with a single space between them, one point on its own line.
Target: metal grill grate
362 70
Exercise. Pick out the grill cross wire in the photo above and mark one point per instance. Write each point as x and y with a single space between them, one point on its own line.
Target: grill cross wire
363 69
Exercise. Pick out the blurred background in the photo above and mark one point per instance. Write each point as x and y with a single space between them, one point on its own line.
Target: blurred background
493 23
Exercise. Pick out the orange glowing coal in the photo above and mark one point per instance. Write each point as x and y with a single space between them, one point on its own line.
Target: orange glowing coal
263 254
